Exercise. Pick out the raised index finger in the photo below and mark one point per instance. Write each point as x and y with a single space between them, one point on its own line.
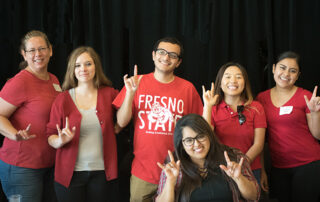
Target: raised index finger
67 122
28 127
171 156
212 88
226 157
135 71
314 94
203 90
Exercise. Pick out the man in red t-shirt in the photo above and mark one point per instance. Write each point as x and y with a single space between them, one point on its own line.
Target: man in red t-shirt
155 101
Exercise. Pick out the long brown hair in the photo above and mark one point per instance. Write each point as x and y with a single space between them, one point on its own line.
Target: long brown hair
70 80
25 39
191 178
246 94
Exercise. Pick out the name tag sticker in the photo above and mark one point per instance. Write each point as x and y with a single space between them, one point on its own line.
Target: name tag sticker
285 110
57 87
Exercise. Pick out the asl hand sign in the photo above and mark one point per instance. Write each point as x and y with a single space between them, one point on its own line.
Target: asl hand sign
233 169
65 135
171 169
209 99
24 134
132 83
314 103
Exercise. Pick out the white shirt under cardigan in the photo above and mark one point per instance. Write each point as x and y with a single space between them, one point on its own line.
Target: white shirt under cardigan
90 153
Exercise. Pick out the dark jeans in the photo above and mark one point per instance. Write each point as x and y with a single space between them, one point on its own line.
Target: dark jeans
34 185
88 186
300 183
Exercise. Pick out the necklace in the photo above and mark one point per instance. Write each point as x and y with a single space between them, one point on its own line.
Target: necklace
203 172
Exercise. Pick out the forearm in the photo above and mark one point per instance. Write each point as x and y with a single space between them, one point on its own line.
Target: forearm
124 114
206 114
254 151
54 141
167 194
315 124
6 128
247 188
258 143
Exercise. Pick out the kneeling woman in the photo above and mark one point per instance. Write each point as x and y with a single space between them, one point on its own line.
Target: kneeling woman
209 171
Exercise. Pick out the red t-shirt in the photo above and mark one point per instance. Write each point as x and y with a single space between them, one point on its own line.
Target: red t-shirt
231 133
290 140
156 108
33 98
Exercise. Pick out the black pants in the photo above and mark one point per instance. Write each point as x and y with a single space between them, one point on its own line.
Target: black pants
88 186
296 184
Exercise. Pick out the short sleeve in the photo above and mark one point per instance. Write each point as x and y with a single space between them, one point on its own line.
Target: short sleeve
197 106
260 116
55 117
117 102
14 91
309 95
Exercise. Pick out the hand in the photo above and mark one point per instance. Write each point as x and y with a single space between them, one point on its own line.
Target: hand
264 181
23 134
209 99
132 83
314 103
233 169
171 169
65 135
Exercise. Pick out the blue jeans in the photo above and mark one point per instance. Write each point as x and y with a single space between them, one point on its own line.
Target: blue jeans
34 185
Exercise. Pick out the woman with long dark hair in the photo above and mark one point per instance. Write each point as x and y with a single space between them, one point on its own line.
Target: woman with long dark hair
237 119
293 117
206 170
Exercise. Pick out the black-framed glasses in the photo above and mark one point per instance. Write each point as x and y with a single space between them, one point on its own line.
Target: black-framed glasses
242 117
189 141
33 50
163 52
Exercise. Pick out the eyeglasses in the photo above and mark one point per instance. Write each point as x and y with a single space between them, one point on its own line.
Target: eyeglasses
242 118
33 51
171 55
189 141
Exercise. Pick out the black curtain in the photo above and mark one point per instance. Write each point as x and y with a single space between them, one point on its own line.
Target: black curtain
213 32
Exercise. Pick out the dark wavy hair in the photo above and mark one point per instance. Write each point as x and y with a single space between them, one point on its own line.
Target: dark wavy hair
191 178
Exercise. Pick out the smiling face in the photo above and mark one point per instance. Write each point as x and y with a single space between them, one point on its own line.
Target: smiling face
286 73
199 149
84 68
232 83
163 63
37 53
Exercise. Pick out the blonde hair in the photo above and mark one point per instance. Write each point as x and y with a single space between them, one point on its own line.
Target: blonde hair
70 80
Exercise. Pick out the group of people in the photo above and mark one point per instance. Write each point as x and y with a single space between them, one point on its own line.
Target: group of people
60 143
